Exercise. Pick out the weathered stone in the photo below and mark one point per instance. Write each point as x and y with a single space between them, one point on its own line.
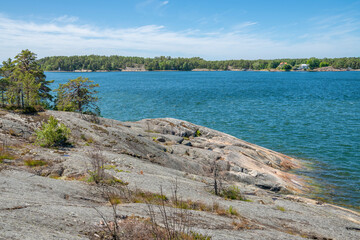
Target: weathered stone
132 151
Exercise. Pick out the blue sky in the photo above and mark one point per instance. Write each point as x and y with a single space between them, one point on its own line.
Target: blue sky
214 30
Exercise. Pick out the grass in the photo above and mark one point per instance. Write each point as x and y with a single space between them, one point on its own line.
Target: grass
139 196
280 208
134 227
109 167
148 197
34 163
199 236
88 140
111 181
151 131
113 167
115 181
174 223
5 155
82 178
232 211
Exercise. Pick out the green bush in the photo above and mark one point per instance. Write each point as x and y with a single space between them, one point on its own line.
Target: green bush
324 64
52 134
233 193
197 133
287 67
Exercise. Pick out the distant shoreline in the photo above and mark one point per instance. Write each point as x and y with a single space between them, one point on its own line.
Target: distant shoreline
209 70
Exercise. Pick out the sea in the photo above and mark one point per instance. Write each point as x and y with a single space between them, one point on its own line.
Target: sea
312 116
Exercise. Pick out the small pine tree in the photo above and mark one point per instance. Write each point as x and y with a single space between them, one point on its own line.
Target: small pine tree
52 134
77 95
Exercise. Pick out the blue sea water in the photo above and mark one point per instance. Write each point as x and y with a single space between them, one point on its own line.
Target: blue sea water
313 116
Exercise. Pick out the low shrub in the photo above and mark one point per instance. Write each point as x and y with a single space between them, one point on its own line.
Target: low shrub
52 134
233 193
197 133
29 110
11 107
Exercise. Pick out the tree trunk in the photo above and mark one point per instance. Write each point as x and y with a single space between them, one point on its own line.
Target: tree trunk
2 99
22 99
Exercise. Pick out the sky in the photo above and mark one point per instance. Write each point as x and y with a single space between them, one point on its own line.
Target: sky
213 30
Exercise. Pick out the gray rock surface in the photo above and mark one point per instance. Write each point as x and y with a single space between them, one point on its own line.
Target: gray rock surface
51 202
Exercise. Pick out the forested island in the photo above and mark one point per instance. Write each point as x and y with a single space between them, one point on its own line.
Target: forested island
122 63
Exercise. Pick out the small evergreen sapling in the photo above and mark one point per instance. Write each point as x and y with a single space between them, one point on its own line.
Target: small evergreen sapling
52 134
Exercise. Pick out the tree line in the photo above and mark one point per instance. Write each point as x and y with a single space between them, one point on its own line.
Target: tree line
23 85
114 63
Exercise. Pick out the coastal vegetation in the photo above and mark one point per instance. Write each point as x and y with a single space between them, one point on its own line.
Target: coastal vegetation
23 86
52 134
23 83
125 186
77 95
116 63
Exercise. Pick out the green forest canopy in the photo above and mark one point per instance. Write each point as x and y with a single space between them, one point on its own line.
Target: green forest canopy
111 63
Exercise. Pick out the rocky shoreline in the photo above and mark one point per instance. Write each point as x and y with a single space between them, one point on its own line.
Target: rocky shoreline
54 200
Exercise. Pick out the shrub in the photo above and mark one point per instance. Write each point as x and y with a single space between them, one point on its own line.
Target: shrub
197 133
233 193
287 67
52 134
324 64
29 110
97 160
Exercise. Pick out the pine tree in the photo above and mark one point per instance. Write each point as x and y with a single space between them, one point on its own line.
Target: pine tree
27 65
77 95
23 82
5 73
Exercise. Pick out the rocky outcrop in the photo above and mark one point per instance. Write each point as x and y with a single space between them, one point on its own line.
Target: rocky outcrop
194 149
148 154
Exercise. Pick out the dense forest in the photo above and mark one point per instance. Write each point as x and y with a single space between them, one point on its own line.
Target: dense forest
113 63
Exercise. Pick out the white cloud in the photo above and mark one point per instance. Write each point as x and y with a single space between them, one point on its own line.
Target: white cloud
152 5
164 3
69 38
66 19
244 25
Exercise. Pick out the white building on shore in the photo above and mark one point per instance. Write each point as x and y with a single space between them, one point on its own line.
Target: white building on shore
304 66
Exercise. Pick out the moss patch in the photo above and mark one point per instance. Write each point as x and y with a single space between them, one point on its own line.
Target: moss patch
34 163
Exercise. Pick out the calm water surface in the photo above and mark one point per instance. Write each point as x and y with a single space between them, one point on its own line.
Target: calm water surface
311 116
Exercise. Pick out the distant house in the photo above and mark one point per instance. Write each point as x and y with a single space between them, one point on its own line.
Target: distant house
304 66
282 64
